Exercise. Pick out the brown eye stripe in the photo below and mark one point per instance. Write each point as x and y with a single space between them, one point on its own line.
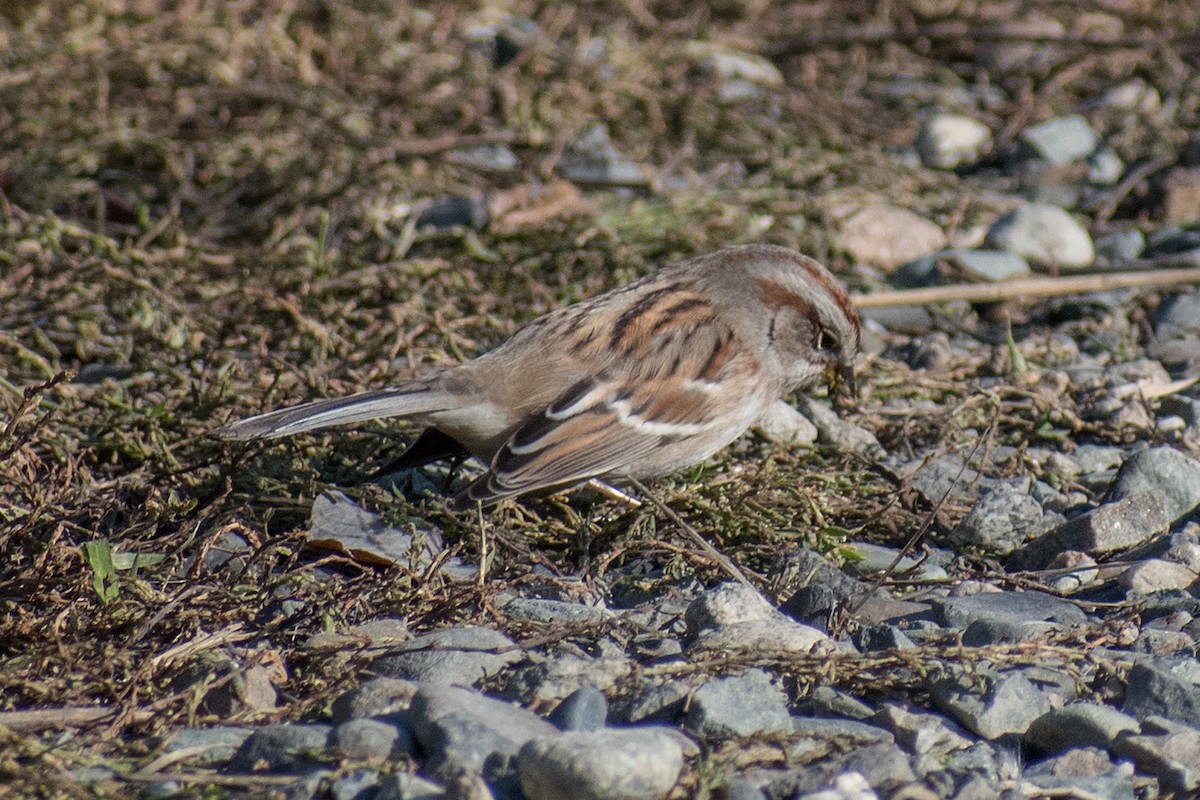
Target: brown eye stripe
775 296
834 290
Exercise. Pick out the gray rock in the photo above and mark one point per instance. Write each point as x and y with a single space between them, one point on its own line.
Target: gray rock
726 604
594 159
951 265
653 701
825 701
1062 140
1003 519
358 785
542 610
219 743
738 789
948 141
460 729
779 634
1007 705
1043 234
628 764
1164 643
1131 520
1105 167
284 748
490 157
1163 468
948 474
837 432
585 709
1169 751
1157 575
454 212
1178 315
738 706
406 786
804 567
370 739
1121 246
1079 724
339 522
1155 692
882 637
984 631
921 732
888 236
375 697
783 424
552 679
959 612
451 656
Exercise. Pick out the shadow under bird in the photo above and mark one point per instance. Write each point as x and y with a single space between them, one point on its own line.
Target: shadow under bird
640 381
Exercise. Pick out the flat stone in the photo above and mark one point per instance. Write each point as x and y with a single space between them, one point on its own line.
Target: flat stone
627 764
825 701
370 739
1155 692
1156 575
1164 469
553 679
1062 140
461 656
738 706
287 747
921 731
781 635
407 786
1169 751
1129 521
460 729
540 609
959 612
783 424
888 236
949 141
219 743
1121 247
375 697
653 701
1043 234
1079 724
1008 705
726 604
984 631
838 432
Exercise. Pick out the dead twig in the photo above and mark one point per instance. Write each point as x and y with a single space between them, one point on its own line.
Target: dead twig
1030 287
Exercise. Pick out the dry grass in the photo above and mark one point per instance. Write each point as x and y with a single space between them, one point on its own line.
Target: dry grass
206 211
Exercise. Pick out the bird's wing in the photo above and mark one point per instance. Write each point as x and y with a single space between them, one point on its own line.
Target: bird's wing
599 427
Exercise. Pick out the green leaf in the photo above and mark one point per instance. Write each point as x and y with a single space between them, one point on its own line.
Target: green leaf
99 556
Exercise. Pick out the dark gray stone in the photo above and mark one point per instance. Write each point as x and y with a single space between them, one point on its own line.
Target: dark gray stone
219 743
983 632
376 697
1155 692
541 610
361 784
1003 519
921 732
1005 705
825 701
600 765
1079 724
1167 750
1164 469
283 748
585 709
840 730
738 706
882 637
370 739
407 786
460 729
654 701
960 612
461 656
1126 522
594 159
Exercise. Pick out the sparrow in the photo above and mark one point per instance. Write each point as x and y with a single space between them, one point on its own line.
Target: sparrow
641 381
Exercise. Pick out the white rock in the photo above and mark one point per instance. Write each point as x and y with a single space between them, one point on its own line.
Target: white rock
785 425
947 141
627 764
887 236
1043 234
1154 574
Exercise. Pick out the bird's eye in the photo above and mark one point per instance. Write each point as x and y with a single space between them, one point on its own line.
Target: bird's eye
826 341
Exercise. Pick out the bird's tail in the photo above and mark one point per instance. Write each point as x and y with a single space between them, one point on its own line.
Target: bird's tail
401 401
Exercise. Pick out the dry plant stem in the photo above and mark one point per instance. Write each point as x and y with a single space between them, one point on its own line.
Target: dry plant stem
1029 287
719 558
916 537
68 717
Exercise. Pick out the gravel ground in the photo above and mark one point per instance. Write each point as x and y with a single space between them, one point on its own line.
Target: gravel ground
982 579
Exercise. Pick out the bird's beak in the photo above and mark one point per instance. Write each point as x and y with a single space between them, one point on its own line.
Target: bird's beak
840 380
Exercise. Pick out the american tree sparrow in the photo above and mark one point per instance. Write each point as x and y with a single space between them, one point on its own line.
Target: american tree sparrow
637 382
